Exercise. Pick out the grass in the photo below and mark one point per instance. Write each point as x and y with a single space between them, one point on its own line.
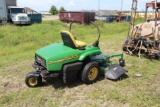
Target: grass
18 45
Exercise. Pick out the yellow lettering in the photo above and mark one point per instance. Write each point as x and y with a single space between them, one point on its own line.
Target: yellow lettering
62 60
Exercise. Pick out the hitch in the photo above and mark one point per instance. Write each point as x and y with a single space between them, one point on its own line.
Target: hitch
121 60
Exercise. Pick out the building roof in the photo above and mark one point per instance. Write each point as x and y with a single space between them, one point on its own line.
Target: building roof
29 10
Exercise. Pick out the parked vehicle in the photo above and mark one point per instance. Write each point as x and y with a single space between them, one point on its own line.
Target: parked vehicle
17 15
3 12
10 12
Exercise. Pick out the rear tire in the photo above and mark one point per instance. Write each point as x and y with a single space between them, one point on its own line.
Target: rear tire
90 73
32 81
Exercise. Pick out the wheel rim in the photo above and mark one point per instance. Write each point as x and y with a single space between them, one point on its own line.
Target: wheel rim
32 81
92 73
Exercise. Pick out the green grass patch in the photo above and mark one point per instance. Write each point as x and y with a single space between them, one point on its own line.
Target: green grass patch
19 43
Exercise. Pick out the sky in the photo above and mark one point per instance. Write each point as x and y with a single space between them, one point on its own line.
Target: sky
71 5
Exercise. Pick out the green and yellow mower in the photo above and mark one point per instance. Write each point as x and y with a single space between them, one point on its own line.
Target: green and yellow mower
71 59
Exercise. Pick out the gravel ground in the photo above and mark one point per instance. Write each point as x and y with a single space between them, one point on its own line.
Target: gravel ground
50 17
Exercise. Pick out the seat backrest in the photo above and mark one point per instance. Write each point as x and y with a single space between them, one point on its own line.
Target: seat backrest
68 39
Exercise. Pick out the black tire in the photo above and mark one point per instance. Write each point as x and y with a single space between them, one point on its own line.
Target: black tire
90 73
33 81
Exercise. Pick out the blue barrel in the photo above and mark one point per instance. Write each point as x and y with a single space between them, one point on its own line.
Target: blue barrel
109 19
128 18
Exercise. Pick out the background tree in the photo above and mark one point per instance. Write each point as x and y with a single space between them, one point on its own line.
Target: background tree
62 9
53 10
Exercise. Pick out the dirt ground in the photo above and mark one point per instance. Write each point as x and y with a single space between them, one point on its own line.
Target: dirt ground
50 17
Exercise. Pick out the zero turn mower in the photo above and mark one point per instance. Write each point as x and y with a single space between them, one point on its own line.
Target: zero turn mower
72 59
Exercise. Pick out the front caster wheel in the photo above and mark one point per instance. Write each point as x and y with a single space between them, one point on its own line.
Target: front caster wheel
33 80
90 73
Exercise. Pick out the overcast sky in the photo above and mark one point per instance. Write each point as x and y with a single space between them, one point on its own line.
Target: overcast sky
44 5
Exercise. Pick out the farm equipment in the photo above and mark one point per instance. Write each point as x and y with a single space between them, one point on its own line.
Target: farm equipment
72 59
144 38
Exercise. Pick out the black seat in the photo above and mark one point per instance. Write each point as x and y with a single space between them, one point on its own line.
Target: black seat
67 40
70 41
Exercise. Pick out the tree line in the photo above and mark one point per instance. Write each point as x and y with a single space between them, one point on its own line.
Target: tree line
55 11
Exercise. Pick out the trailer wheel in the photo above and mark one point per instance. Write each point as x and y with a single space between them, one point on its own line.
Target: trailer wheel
33 81
90 73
